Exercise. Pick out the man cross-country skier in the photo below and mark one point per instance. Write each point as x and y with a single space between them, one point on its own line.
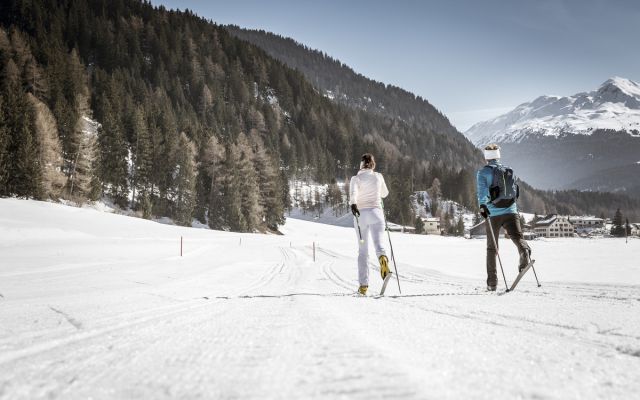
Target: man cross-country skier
497 194
366 190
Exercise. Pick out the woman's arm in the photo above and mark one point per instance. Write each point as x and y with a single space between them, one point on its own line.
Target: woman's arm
384 192
353 190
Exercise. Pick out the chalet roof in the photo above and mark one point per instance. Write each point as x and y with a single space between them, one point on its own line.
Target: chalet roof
548 220
588 218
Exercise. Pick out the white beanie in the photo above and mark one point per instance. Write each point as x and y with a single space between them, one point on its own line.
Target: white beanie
492 154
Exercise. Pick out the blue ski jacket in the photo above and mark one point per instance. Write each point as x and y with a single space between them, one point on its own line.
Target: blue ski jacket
484 179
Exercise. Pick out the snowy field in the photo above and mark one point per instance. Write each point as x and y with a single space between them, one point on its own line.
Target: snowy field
95 305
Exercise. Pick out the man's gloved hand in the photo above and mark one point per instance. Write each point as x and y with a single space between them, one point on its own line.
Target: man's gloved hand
355 211
484 211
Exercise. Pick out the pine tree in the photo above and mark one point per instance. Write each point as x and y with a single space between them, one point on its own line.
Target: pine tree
113 154
84 182
5 157
618 228
419 225
34 79
249 188
268 180
231 205
142 156
24 172
460 226
213 163
435 193
165 139
477 218
53 179
185 181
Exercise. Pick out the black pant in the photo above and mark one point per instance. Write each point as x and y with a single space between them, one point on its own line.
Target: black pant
511 224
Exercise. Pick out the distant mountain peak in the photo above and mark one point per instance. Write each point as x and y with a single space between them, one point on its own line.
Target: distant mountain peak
615 105
621 85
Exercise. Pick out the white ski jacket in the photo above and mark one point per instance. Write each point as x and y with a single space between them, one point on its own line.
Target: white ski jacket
367 188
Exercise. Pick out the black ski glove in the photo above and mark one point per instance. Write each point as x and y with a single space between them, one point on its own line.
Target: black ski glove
355 211
484 211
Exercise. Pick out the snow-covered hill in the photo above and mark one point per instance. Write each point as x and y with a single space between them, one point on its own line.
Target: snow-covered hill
97 305
615 105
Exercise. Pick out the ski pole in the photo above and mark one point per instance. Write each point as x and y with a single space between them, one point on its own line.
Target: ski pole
495 245
359 231
393 257
536 275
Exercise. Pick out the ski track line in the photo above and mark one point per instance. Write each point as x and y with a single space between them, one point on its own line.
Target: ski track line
593 292
80 335
85 361
90 334
76 324
404 274
293 353
332 274
334 278
264 280
130 344
57 332
276 271
507 321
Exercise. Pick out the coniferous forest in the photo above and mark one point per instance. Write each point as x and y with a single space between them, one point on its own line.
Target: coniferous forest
170 115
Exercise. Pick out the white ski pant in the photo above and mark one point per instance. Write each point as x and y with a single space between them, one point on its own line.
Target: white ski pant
372 227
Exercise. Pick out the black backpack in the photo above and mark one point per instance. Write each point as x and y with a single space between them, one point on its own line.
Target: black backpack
504 190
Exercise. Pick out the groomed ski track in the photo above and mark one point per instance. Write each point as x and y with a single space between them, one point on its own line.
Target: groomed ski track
118 314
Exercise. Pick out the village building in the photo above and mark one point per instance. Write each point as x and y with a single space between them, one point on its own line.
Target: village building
586 224
554 225
432 226
400 228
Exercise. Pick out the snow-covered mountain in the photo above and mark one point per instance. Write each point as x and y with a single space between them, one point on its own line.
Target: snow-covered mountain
572 142
615 105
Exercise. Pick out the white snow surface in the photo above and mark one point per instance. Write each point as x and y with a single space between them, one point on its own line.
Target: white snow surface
99 305
614 105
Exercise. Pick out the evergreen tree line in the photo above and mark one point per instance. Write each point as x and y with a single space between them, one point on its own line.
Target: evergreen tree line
190 122
183 110
418 129
359 92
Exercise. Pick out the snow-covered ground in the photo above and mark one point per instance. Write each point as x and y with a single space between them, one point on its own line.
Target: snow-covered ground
97 305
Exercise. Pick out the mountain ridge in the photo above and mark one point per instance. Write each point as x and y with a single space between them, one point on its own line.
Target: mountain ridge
342 84
614 105
586 141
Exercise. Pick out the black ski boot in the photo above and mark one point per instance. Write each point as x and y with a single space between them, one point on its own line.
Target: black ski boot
525 259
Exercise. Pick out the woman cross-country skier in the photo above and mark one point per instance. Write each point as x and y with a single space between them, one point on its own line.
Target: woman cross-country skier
366 191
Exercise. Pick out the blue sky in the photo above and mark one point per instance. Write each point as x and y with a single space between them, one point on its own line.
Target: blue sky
472 59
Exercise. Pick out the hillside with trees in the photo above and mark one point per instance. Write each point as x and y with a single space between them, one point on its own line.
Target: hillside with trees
343 85
168 114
